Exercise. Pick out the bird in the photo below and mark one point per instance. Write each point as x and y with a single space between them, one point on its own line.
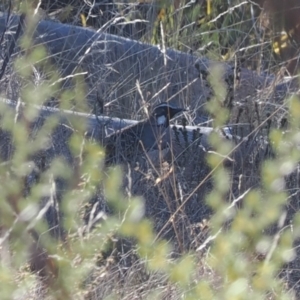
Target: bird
148 134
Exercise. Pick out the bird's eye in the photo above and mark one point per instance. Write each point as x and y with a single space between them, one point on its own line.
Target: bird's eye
161 120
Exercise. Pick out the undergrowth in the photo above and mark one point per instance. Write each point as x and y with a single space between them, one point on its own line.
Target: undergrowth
116 253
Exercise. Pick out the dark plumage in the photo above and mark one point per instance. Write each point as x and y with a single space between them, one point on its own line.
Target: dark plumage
149 134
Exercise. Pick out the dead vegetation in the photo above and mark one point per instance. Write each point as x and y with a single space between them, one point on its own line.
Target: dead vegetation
221 221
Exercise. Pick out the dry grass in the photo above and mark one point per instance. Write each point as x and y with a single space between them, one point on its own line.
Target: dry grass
216 222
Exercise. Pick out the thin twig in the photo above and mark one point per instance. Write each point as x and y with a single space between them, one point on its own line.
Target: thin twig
12 45
5 28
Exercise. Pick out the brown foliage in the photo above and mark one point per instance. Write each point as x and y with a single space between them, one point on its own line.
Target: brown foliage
283 15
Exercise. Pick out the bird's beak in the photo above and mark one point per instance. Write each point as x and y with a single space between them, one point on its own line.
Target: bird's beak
175 111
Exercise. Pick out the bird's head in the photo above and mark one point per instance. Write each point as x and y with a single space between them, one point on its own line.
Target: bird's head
164 112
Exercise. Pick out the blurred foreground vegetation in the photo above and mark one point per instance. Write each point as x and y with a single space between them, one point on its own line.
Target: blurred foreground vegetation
116 253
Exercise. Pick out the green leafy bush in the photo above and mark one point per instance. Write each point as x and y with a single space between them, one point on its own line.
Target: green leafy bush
94 254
